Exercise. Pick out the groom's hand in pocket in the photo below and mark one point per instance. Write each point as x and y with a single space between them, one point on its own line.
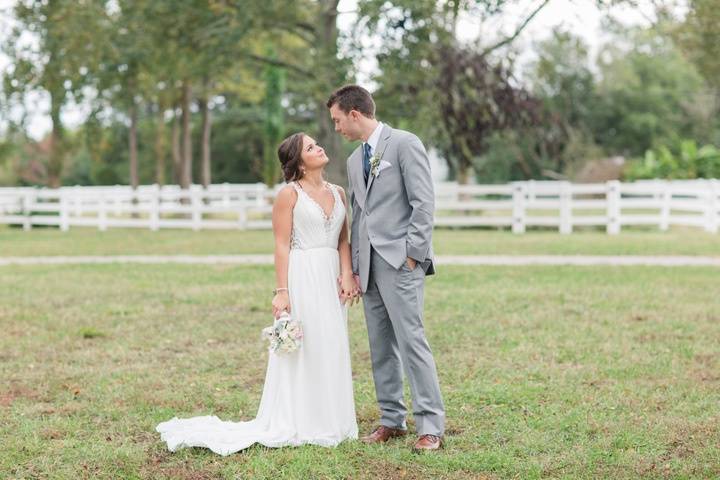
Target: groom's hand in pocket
411 263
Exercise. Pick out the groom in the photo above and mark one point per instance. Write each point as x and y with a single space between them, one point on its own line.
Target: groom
391 237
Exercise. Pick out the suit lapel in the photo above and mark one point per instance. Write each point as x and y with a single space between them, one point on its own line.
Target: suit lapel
357 176
379 151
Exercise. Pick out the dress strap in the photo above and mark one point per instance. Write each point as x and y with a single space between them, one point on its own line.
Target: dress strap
333 189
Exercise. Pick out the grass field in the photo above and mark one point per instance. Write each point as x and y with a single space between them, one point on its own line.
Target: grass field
82 241
547 372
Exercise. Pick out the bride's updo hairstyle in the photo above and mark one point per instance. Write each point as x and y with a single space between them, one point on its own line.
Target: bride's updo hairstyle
289 154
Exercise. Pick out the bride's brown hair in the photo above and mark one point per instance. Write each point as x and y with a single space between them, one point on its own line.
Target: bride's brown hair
289 154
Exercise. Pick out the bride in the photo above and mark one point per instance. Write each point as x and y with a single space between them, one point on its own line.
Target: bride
308 394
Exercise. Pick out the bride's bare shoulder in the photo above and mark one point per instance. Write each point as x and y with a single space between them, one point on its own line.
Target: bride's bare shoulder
286 196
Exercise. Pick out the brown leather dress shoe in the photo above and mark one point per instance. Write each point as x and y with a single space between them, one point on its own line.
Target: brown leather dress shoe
382 434
427 443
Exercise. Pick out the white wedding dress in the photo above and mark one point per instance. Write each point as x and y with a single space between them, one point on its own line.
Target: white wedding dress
308 394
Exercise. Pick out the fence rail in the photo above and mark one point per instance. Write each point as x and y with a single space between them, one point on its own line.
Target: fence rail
517 206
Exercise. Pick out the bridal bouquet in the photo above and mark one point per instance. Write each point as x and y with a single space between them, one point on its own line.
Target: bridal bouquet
285 335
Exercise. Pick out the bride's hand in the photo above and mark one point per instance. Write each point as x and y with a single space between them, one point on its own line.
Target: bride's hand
347 290
280 302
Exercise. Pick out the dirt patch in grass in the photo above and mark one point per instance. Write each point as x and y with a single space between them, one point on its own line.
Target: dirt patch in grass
179 473
17 392
52 434
706 375
707 369
156 468
683 444
372 468
698 435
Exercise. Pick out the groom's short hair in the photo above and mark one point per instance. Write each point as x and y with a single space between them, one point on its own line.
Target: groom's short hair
353 97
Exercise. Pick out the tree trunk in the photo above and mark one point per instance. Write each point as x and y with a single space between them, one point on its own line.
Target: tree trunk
132 145
463 174
160 145
176 154
57 141
336 170
330 70
205 158
186 150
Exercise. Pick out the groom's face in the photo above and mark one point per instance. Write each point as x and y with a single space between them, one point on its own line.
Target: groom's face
346 124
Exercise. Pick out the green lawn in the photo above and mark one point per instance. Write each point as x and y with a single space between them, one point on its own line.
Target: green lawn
81 241
547 372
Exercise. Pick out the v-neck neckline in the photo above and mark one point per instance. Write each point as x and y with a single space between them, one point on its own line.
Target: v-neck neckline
325 215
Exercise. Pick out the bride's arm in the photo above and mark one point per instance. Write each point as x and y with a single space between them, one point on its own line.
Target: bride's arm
347 282
282 229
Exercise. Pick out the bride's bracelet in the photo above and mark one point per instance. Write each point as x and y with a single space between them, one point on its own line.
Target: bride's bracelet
277 290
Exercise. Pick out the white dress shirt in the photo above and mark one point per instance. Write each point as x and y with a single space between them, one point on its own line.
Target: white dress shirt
374 138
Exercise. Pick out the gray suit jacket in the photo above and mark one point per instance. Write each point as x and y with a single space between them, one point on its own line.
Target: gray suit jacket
394 213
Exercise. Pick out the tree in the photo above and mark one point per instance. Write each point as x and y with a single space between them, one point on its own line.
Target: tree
430 74
128 60
478 99
698 37
274 125
308 33
562 80
57 62
645 95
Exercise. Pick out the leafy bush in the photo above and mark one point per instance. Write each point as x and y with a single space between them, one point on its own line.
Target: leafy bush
686 162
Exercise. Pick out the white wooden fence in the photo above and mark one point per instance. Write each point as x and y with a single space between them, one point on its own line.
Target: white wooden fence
563 205
518 206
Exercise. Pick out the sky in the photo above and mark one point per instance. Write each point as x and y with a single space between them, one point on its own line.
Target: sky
581 17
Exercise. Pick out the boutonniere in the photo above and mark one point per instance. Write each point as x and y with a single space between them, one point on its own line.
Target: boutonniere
374 164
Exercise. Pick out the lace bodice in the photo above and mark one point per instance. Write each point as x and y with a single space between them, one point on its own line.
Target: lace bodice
312 228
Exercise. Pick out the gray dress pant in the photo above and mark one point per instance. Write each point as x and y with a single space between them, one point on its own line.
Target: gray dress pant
393 306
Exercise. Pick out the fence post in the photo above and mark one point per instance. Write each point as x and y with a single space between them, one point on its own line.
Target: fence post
196 204
102 213
665 199
27 220
155 207
565 208
612 196
116 195
64 206
242 212
657 184
225 195
518 213
711 206
76 200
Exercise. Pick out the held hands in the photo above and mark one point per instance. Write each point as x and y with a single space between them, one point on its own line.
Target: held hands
350 291
280 302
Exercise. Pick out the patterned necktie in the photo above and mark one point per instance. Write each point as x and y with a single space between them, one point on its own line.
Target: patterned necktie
366 161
